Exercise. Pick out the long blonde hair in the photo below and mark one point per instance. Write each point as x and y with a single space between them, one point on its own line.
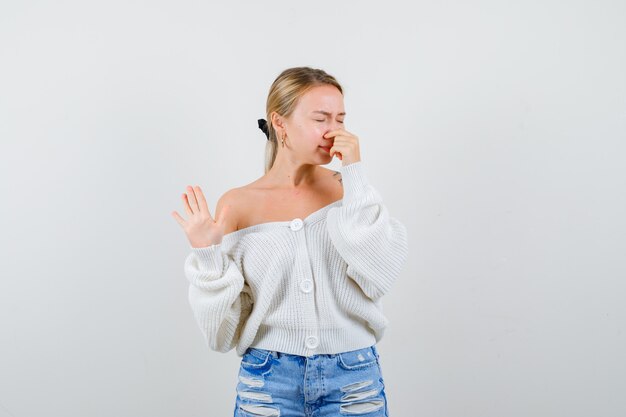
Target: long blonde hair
283 97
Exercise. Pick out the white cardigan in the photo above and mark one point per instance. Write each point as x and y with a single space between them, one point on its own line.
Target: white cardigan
303 286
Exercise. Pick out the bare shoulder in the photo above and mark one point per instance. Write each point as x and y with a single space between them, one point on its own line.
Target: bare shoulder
335 175
257 202
334 184
231 200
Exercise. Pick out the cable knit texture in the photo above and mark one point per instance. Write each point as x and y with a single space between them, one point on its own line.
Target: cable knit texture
302 286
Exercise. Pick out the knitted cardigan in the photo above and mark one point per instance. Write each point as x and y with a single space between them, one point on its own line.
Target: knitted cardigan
303 286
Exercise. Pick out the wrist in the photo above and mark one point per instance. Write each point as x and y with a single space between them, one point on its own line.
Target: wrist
354 180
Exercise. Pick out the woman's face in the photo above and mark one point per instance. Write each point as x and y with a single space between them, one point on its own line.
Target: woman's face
318 111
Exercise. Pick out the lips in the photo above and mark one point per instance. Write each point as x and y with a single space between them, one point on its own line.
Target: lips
326 148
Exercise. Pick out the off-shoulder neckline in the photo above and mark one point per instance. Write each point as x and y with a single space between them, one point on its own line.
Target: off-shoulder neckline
312 217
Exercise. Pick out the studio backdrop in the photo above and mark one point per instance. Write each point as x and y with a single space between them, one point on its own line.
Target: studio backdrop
495 131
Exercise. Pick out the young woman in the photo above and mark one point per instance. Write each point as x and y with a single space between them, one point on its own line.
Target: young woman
292 268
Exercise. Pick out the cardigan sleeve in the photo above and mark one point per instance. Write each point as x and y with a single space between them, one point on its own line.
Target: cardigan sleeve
372 243
219 296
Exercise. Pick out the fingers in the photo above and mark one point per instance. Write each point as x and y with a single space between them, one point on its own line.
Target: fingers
344 143
201 200
186 205
193 202
334 151
337 132
339 148
178 218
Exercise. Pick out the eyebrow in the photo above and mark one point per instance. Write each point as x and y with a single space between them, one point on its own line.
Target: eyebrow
327 113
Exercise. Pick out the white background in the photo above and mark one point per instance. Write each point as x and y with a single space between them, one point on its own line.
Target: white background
494 130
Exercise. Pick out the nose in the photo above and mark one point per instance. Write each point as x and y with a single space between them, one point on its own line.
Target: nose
334 125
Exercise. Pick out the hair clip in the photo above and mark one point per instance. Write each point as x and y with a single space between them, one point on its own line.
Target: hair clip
264 128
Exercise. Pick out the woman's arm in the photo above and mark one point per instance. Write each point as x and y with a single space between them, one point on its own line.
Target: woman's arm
219 296
373 244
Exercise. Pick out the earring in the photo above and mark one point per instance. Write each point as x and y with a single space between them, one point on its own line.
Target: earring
283 140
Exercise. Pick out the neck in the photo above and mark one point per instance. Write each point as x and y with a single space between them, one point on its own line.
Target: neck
291 174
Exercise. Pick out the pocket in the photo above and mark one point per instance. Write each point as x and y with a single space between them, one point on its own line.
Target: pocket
357 359
256 359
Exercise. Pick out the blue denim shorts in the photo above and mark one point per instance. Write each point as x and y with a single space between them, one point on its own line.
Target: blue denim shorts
273 384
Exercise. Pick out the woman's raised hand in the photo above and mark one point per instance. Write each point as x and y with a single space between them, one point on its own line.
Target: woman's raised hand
345 146
201 229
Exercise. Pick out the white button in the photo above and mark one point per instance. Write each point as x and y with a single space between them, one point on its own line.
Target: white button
306 285
311 342
296 224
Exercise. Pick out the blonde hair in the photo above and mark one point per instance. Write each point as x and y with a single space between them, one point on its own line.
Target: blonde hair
283 97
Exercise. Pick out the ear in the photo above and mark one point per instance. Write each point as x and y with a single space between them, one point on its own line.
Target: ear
277 121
